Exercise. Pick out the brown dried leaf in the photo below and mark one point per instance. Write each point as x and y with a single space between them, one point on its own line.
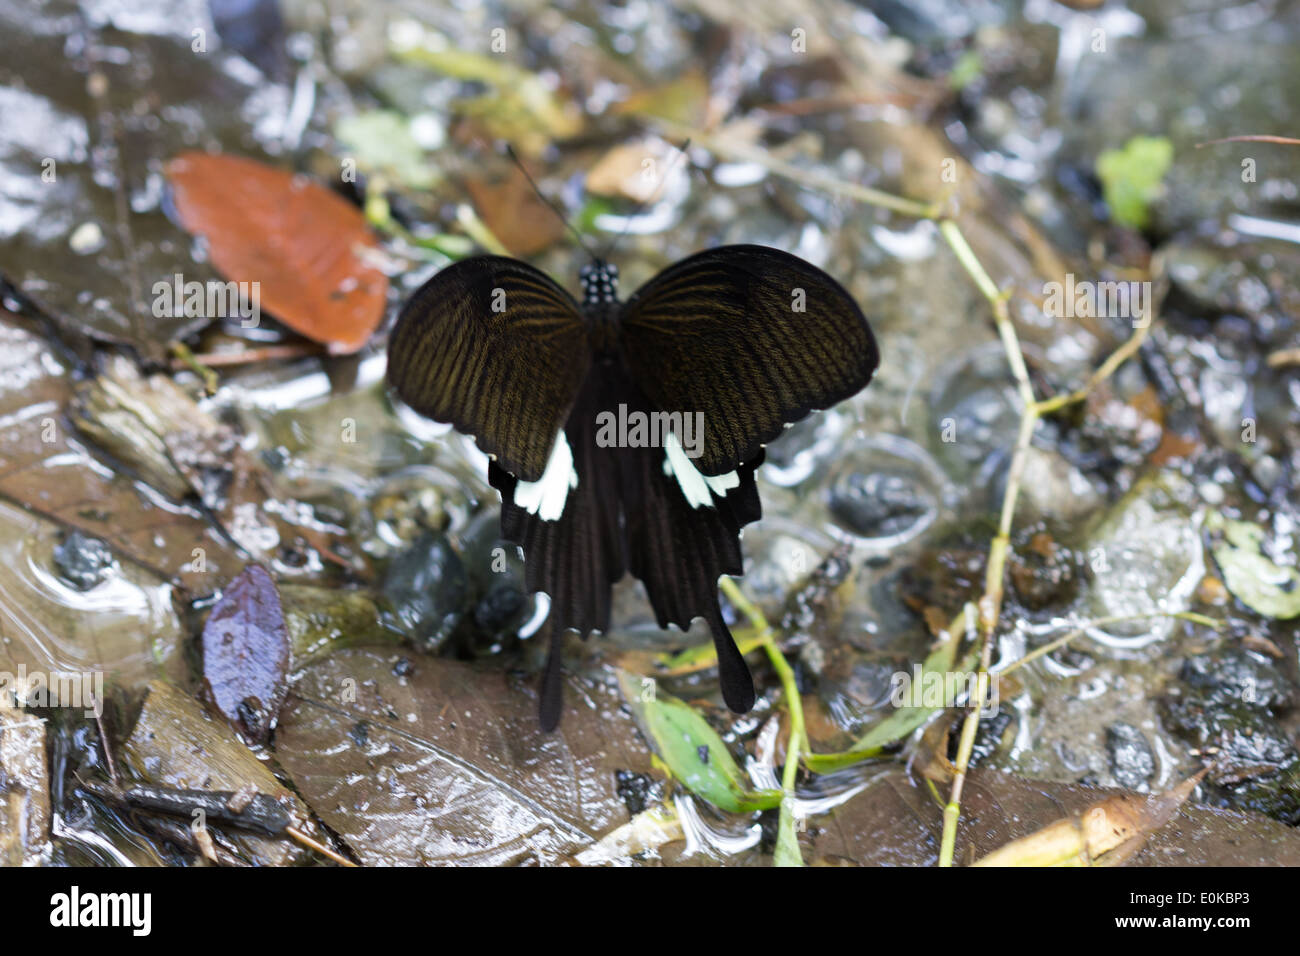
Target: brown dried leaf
515 213
175 744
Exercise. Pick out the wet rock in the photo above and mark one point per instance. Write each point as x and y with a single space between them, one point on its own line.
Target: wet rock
1131 761
886 491
1144 556
944 578
498 592
989 737
1235 676
1051 485
879 505
405 507
1225 704
81 560
974 412
427 590
1229 274
635 790
1043 572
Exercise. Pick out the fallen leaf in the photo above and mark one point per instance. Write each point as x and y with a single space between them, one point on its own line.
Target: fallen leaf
692 749
153 426
175 744
632 171
246 653
682 100
1112 829
82 227
297 240
515 213
444 763
47 470
1263 586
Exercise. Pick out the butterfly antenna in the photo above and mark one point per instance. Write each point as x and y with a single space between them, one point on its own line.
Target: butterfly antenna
552 206
609 247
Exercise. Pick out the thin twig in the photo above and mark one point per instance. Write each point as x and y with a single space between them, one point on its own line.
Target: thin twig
104 743
1254 138
299 837
1102 622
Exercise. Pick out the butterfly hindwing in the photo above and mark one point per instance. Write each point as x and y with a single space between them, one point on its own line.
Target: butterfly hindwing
752 337
497 349
575 553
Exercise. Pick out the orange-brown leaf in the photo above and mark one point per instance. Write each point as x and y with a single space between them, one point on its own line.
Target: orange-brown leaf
300 242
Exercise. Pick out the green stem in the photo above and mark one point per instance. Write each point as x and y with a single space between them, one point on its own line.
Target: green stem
793 702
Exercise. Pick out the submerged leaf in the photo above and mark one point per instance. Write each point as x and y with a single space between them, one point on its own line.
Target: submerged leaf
899 724
300 243
1264 587
692 750
420 760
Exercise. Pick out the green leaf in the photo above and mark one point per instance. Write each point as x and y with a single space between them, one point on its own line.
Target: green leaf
1264 587
966 70
381 142
1131 177
692 749
902 721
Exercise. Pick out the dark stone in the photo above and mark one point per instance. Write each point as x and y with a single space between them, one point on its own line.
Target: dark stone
1131 759
81 560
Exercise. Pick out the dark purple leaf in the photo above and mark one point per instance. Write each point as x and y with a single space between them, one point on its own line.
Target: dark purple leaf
246 653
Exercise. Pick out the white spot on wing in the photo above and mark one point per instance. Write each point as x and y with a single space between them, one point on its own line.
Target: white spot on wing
545 497
698 489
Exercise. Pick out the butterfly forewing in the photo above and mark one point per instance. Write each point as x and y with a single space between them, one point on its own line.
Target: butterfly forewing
497 349
752 337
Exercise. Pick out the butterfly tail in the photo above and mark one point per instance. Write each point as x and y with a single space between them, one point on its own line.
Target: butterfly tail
552 698
733 673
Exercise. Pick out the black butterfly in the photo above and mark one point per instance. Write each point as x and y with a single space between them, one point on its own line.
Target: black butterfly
750 338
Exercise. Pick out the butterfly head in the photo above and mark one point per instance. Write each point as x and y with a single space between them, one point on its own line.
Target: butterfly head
599 283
